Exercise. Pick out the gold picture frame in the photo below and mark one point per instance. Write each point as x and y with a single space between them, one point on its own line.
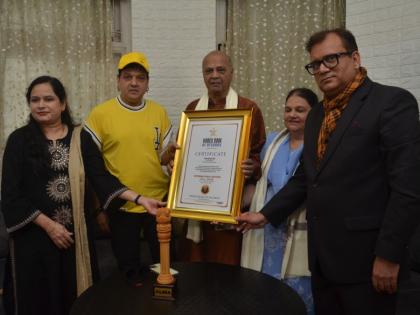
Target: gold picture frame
207 182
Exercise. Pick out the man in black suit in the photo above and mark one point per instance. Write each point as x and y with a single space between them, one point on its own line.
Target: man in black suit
360 177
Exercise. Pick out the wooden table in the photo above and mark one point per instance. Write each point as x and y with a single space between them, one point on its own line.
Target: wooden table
202 288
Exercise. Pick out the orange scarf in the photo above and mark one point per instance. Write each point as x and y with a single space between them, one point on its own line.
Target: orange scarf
333 109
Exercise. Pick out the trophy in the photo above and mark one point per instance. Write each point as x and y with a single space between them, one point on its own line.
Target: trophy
164 288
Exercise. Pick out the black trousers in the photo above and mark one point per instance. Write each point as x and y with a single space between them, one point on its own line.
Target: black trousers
349 299
125 238
44 276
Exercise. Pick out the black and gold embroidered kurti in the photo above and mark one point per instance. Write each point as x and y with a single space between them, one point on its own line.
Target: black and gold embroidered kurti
29 189
44 275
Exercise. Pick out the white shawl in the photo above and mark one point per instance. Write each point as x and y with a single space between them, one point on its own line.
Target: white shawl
295 260
231 101
253 240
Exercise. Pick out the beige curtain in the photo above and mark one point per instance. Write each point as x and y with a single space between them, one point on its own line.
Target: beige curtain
70 40
266 41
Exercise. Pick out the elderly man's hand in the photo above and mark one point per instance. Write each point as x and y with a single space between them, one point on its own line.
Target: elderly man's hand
169 154
385 275
249 167
250 220
170 167
168 157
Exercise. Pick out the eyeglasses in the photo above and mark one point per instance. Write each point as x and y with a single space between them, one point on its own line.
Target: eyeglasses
330 61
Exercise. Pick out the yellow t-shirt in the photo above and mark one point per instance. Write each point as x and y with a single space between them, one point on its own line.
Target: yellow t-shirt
131 140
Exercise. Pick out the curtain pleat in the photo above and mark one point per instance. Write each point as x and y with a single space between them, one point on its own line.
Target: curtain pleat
70 40
266 42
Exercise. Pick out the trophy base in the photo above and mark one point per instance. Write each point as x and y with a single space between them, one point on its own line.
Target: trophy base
165 292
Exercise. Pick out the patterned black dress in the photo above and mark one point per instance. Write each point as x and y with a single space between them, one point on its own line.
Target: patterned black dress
44 276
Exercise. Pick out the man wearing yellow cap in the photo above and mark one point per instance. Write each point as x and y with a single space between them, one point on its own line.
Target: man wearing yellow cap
132 134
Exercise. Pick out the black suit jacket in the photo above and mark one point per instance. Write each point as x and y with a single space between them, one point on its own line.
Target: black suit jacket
415 251
363 200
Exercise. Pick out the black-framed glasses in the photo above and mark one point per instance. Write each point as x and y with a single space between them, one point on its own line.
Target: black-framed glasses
330 61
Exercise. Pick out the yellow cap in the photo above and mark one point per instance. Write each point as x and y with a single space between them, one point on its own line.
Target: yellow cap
134 57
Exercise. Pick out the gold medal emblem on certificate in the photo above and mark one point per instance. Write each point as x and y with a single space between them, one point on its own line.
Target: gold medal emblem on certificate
205 189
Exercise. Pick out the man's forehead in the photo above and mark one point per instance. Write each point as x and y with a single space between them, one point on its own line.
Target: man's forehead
332 44
134 71
215 65
216 60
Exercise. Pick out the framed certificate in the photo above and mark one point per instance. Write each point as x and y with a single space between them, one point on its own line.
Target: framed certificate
207 181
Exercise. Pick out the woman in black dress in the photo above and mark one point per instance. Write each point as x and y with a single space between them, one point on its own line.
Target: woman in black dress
43 204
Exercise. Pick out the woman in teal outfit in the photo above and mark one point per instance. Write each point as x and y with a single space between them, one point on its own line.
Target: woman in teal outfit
281 252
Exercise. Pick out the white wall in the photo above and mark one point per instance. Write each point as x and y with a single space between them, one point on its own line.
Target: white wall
175 36
388 35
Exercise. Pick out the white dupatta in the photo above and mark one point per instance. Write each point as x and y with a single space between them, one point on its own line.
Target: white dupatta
295 260
253 240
